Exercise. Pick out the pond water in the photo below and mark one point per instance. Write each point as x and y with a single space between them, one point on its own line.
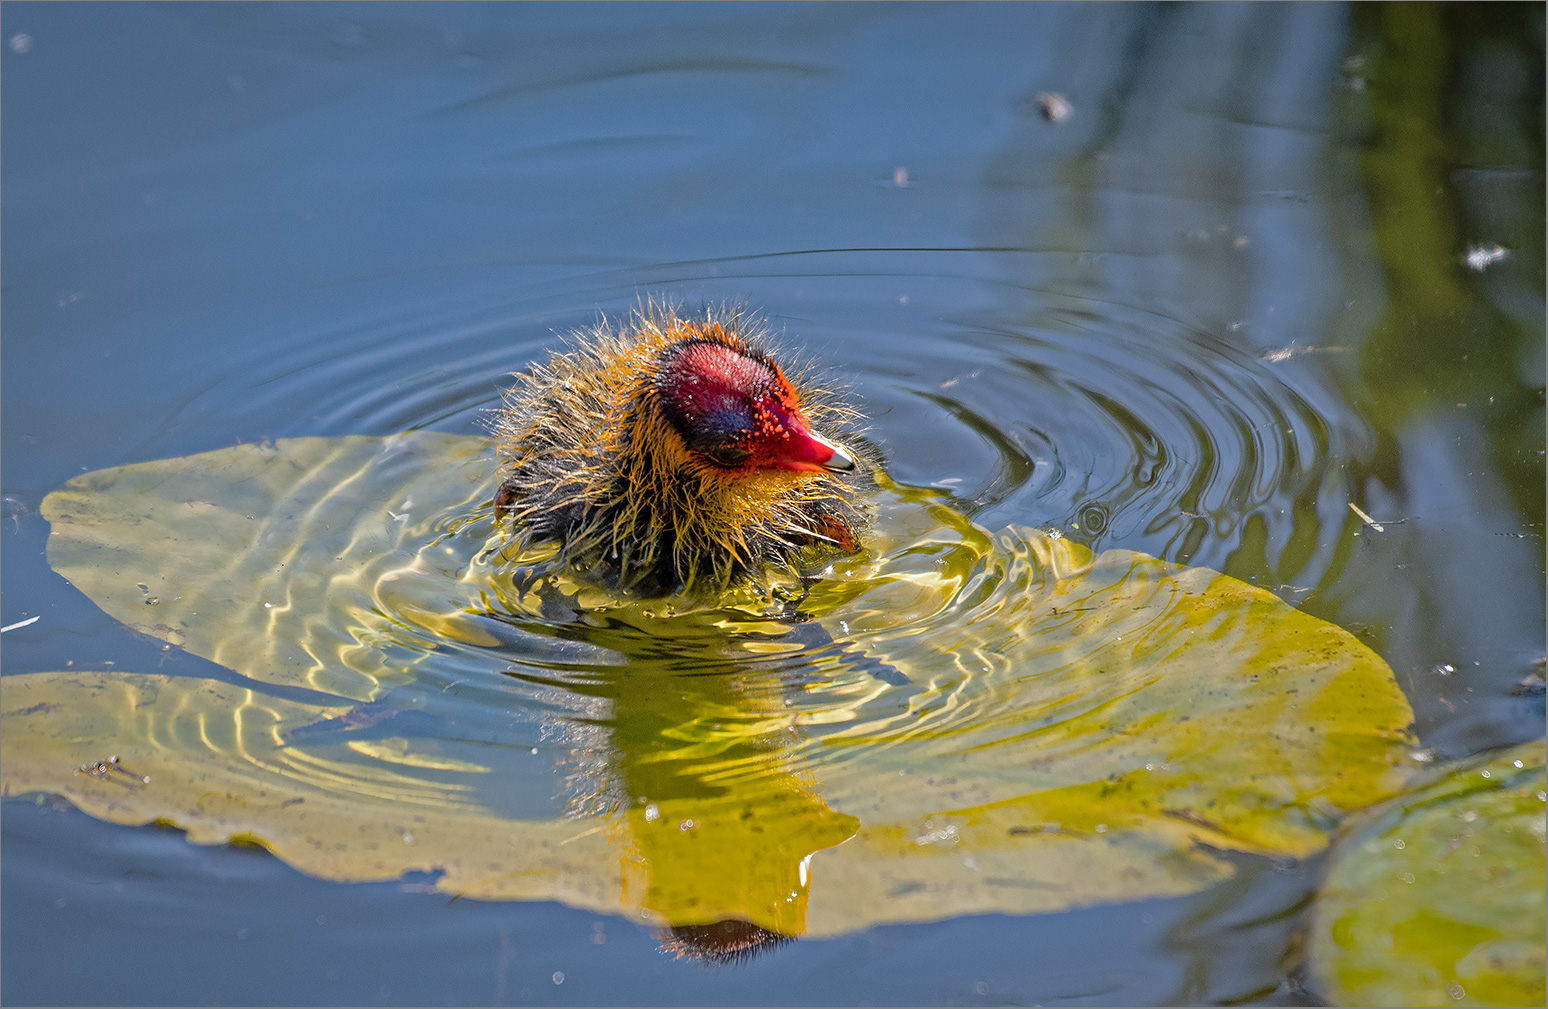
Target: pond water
1221 313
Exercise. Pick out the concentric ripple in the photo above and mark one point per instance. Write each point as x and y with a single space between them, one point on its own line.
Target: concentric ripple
945 687
1139 432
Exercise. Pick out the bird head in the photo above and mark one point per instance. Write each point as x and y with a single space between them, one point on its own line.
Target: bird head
735 411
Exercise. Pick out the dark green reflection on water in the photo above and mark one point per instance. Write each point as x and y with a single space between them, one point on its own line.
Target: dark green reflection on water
1443 111
1453 156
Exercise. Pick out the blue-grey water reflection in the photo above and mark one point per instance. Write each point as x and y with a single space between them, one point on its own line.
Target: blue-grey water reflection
1187 321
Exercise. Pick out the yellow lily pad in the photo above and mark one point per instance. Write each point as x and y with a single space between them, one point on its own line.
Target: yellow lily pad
1436 897
277 560
1004 723
223 763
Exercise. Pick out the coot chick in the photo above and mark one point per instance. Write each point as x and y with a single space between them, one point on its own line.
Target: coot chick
675 454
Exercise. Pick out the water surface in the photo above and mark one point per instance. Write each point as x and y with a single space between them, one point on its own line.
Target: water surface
1200 318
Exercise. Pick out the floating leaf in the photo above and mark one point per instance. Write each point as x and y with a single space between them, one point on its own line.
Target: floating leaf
233 554
1110 709
1004 723
1436 898
219 764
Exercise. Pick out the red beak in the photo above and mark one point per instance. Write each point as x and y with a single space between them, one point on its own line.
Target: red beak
803 449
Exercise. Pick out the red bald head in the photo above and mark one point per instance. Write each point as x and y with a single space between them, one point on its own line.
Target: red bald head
739 412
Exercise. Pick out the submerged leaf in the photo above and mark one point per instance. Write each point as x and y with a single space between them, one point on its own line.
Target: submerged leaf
1003 723
1436 898
276 560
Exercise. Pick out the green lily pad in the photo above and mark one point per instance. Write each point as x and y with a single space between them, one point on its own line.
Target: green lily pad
1436 897
995 723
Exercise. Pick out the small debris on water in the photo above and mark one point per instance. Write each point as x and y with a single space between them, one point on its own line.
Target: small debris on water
939 835
1481 257
20 624
1531 685
900 178
21 43
104 768
1366 518
652 812
1054 107
1444 669
1286 353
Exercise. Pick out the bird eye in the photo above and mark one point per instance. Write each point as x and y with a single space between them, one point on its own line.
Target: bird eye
726 455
